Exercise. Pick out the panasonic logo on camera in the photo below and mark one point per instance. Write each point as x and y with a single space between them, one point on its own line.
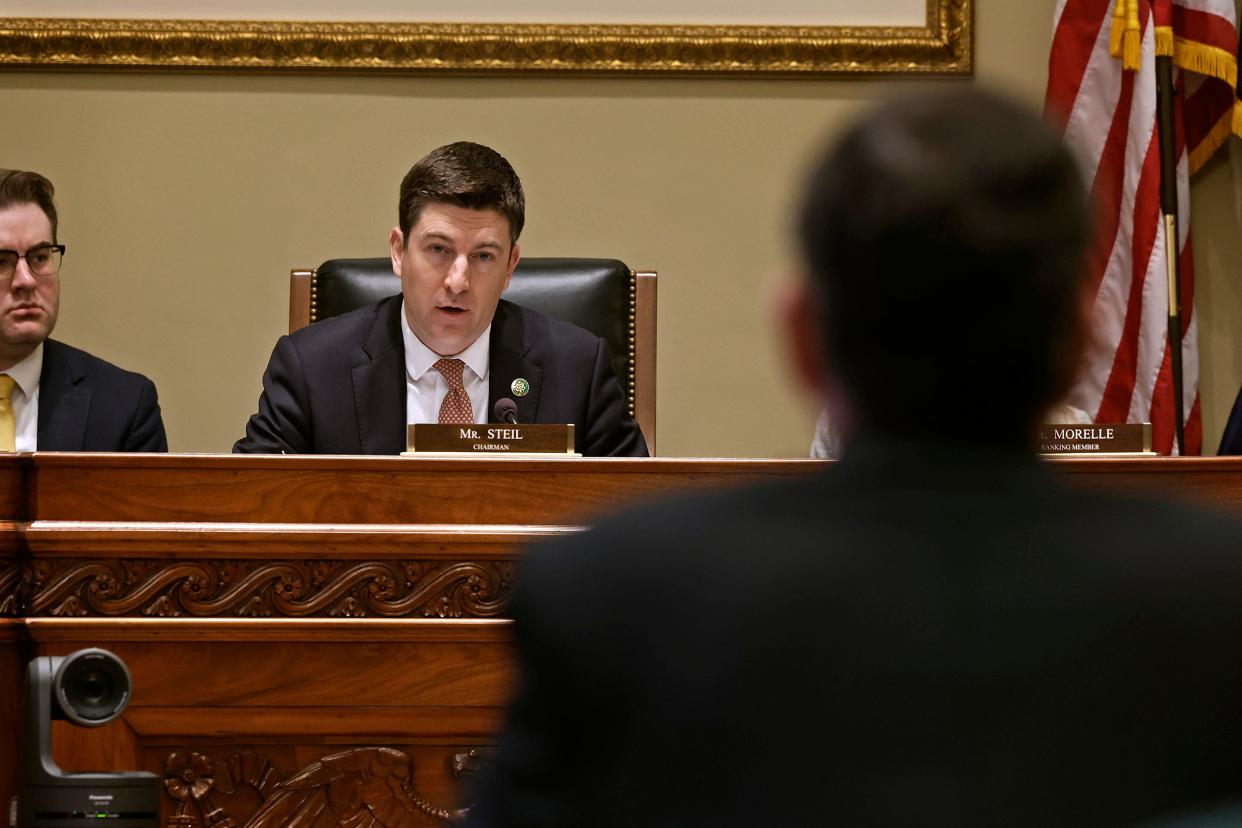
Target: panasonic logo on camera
104 798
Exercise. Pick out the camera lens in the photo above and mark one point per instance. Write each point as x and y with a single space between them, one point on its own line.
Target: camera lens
92 686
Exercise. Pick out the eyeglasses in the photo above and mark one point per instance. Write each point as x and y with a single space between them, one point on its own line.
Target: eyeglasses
43 260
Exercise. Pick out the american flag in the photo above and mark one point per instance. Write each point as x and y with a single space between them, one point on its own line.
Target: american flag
1102 89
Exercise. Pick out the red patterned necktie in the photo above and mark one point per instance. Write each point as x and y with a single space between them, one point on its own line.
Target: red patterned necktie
456 407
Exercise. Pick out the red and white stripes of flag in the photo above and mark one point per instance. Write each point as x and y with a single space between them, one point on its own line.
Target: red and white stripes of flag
1141 363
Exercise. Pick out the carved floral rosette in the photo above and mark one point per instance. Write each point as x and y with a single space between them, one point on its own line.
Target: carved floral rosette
264 589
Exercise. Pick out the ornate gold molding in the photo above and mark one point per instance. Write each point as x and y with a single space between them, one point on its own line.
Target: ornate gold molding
944 45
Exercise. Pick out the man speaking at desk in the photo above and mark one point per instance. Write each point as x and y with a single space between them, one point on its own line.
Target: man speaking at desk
447 348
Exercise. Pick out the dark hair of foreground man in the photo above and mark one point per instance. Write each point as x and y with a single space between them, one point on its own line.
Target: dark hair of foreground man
933 631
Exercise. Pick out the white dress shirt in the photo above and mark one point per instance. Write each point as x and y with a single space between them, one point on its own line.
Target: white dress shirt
425 389
26 399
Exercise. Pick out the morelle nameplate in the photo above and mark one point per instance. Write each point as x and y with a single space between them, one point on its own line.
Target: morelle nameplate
489 438
1098 438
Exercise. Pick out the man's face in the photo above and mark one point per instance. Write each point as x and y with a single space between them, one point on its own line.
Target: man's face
29 304
453 268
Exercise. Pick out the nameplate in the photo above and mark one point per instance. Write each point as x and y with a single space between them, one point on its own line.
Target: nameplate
490 438
1099 438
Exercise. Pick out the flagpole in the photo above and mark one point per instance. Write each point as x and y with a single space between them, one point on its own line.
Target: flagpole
1168 206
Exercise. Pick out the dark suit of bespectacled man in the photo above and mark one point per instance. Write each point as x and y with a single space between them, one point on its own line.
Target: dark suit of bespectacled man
59 398
350 384
933 631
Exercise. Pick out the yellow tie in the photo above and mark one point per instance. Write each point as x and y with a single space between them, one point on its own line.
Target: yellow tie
8 426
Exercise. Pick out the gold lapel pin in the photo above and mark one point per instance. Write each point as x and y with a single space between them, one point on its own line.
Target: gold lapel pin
519 387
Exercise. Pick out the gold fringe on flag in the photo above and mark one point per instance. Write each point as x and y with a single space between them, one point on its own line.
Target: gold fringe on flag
1216 138
1126 42
1164 41
1194 56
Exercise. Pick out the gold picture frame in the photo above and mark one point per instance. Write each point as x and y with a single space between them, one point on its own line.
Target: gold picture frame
942 46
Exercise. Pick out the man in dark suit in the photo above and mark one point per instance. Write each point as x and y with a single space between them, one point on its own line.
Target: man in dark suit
933 631
447 348
54 397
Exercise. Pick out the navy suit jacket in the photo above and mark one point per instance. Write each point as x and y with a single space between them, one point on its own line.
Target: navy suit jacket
87 404
918 636
339 386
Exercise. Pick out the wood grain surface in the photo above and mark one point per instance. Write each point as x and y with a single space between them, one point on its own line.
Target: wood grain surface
326 615
15 651
187 540
350 490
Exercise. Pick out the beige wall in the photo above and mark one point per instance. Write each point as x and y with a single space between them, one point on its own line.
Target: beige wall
186 199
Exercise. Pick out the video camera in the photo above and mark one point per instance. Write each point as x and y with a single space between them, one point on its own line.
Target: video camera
89 687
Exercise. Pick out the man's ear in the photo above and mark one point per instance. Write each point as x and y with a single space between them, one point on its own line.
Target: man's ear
800 332
515 256
396 244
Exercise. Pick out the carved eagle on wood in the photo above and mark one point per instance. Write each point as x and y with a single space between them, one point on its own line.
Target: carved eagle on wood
362 788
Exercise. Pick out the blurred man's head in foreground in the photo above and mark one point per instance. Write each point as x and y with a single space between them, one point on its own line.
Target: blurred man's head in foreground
943 239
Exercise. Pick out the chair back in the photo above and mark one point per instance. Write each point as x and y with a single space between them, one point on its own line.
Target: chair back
601 295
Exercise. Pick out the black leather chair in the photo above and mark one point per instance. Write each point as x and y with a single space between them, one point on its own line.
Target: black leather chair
602 295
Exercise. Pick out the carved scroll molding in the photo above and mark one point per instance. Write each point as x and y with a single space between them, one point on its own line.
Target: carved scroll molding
364 786
263 589
944 45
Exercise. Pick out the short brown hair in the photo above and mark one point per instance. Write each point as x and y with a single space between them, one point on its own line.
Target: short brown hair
467 175
20 187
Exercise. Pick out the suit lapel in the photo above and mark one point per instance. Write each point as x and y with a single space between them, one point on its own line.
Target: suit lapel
508 363
379 384
64 401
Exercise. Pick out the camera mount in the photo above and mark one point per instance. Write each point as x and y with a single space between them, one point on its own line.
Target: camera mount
89 687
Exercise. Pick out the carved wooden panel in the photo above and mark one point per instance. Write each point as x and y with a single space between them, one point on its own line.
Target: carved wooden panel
295 609
260 589
204 792
364 786
266 701
12 573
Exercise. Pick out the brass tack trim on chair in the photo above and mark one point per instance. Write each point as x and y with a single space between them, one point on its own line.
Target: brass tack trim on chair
314 305
631 381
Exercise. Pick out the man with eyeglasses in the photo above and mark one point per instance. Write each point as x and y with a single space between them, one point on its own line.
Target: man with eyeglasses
54 397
